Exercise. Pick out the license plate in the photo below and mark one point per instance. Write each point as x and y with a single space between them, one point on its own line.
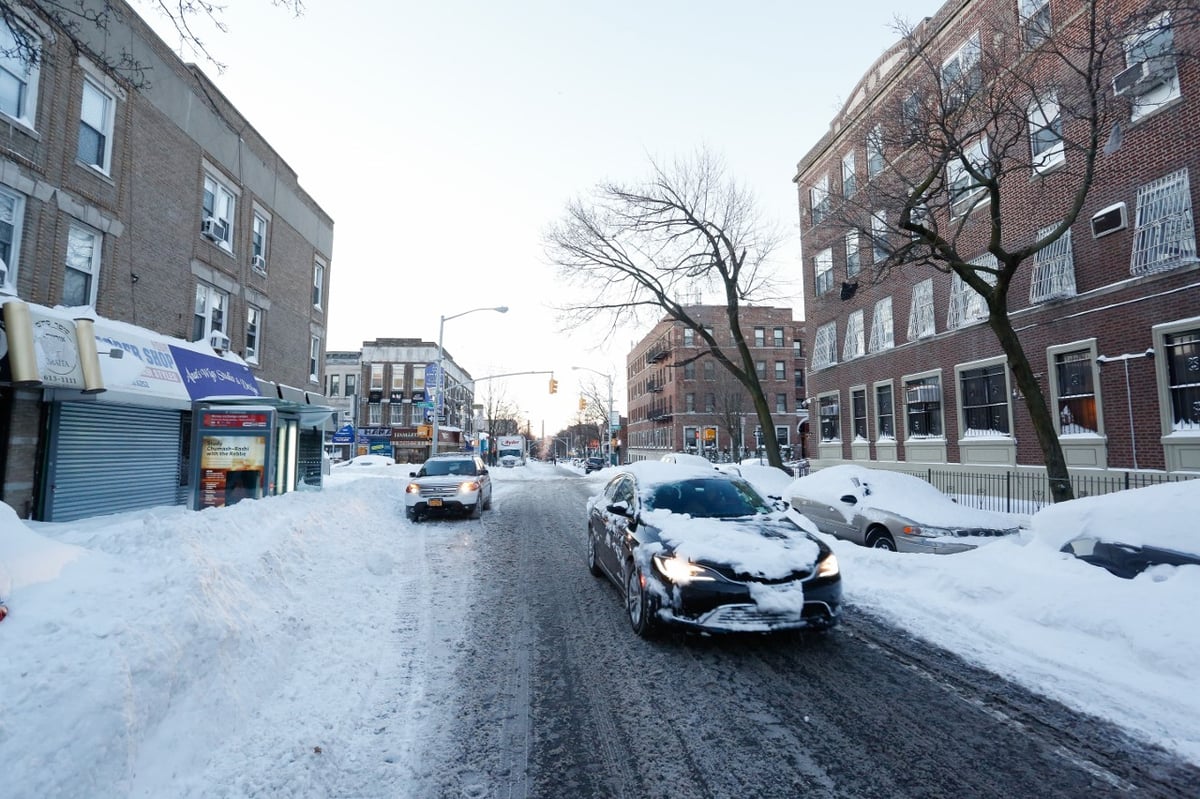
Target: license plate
435 503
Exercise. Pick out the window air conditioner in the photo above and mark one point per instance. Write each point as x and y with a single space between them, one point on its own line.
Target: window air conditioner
212 228
1109 220
218 341
928 393
1142 76
258 262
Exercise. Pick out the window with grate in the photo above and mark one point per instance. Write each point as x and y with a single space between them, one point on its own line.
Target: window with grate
854 346
968 306
1183 379
823 267
825 347
984 401
1166 233
830 416
882 334
858 408
1053 269
920 311
1076 400
885 417
924 407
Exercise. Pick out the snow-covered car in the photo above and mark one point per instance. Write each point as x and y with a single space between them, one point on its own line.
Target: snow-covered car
451 483
684 458
359 461
770 481
593 464
693 548
889 510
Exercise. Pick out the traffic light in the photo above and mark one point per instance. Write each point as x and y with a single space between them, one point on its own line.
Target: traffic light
553 386
583 403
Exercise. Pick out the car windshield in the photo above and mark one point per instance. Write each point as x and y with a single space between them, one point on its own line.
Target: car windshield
708 498
438 468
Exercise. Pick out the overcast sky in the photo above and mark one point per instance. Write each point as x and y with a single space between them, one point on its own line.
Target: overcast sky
444 137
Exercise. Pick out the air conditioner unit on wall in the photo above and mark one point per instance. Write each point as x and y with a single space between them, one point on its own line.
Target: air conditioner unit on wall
1109 220
1143 75
258 262
212 228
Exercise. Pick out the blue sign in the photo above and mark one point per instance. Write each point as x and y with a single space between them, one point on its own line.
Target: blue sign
210 376
431 384
344 435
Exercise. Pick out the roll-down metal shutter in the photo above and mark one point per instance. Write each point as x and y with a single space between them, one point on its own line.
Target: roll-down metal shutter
110 458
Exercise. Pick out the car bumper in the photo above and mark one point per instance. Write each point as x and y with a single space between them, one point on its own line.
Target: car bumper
447 506
932 546
736 607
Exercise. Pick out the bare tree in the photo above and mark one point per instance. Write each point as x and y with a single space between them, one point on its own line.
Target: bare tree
1028 97
731 404
687 231
86 22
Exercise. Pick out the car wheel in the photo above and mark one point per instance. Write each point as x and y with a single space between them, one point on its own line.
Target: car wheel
879 538
476 510
639 605
592 563
487 505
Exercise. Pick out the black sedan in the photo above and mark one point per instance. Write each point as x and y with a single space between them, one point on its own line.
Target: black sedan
701 550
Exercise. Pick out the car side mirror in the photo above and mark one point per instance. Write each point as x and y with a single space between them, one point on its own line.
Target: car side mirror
412 474
849 499
780 503
619 509
483 470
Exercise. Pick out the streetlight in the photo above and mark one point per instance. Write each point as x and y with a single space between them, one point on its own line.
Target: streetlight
437 404
608 411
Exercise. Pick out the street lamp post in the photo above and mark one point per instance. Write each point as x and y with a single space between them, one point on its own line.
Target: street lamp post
438 399
607 411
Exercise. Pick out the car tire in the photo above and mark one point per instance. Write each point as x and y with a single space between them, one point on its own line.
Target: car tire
880 538
639 605
488 504
476 511
592 564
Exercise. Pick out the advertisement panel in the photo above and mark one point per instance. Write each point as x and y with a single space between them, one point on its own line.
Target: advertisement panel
234 447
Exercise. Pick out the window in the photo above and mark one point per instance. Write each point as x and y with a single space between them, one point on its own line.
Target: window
1035 21
968 306
351 385
823 264
689 403
254 320
825 347
1053 269
418 377
217 221
849 179
780 370
82 266
335 385
710 403
258 242
797 348
760 337
314 360
1183 378
1166 233
397 377
910 117
374 414
853 347
875 152
760 369
828 412
777 337
920 312
318 287
208 316
879 237
858 411
1046 133
885 419
19 73
923 396
818 197
12 213
1150 60
781 403
882 335
853 258
376 377
95 127
689 337
984 401
965 189
1075 387
710 369
781 435
689 371
962 74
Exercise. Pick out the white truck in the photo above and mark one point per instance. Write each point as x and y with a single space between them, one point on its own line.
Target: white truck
511 450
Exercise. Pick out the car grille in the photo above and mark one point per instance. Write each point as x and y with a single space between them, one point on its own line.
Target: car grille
439 491
743 577
979 532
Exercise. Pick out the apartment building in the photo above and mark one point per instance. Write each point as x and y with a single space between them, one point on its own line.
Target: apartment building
904 368
155 249
681 399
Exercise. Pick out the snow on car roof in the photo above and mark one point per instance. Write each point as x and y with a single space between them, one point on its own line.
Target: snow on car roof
1155 517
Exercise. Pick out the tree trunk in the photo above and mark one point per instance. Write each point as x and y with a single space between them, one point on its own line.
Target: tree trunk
1035 403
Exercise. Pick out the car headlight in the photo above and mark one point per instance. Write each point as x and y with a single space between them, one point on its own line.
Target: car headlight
467 486
828 566
681 571
412 488
924 532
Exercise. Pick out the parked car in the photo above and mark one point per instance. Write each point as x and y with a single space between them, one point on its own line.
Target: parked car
593 464
684 458
890 510
455 483
696 549
367 460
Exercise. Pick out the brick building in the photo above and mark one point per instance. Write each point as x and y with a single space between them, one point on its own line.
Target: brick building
682 400
903 368
158 215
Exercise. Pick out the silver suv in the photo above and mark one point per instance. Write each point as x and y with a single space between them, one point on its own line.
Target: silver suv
451 483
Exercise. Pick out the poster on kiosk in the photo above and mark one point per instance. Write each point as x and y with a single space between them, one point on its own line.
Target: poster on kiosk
232 450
